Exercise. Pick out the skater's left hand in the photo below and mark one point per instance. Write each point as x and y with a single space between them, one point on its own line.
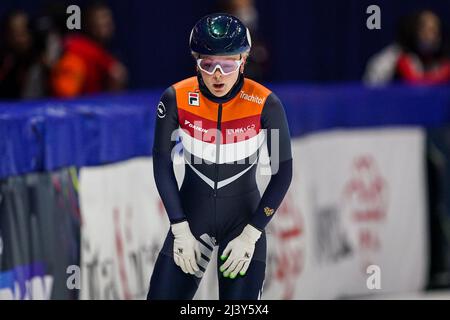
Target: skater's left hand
239 252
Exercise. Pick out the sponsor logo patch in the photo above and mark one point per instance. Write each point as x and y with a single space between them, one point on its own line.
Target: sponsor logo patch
194 99
268 211
161 110
195 126
251 98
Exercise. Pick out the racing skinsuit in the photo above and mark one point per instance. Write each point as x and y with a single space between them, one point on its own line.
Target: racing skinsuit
221 139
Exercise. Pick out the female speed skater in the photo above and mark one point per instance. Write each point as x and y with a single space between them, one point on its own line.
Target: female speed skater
222 119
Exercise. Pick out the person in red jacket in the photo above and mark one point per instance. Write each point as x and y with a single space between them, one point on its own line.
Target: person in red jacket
425 62
86 67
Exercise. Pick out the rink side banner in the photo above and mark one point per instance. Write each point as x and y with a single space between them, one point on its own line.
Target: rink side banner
39 235
124 225
353 222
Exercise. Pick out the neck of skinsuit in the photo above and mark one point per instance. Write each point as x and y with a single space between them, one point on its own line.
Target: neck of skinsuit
230 95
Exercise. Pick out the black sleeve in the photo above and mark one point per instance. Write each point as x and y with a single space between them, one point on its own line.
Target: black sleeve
273 120
164 142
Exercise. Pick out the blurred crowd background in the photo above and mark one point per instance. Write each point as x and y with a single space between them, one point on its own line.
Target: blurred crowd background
391 148
144 44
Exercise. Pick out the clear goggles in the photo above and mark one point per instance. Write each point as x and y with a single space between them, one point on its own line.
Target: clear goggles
226 66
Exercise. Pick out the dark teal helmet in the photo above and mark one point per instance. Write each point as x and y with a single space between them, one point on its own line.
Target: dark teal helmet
219 34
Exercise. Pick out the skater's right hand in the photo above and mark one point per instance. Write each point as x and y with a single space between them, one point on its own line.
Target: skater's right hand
186 249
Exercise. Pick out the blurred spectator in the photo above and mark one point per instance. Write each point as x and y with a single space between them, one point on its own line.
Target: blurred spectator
417 56
47 34
245 10
381 67
425 61
86 66
16 55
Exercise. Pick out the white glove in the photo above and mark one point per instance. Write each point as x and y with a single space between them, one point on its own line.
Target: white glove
239 252
186 248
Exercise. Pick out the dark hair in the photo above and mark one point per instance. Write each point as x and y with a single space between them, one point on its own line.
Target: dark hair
6 21
405 34
90 9
409 32
5 26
